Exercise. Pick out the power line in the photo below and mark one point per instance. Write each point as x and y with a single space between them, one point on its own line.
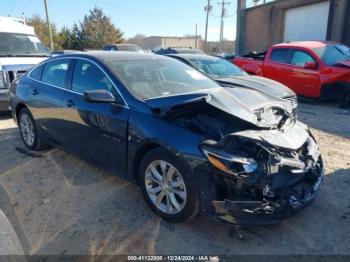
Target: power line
146 13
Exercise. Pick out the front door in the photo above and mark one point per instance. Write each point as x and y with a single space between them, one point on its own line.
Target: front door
95 131
303 81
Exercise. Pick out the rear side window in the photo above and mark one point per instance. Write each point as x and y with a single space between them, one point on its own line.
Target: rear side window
36 73
279 55
55 72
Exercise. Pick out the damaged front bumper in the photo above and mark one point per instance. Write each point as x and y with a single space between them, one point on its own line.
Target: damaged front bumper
265 212
287 175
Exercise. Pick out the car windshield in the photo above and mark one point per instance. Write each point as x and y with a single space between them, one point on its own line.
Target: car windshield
217 68
333 54
12 44
151 78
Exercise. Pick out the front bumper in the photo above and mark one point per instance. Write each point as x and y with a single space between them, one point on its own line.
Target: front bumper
267 212
4 100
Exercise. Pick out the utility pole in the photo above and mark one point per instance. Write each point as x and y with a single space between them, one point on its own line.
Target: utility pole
223 13
207 8
195 43
48 24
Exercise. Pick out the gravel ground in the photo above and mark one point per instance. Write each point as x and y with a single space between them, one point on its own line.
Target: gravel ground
58 204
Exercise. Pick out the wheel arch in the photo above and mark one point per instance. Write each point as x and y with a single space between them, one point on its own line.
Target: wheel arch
138 156
19 107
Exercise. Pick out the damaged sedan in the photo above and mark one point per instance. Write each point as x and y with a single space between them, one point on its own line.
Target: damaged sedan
238 155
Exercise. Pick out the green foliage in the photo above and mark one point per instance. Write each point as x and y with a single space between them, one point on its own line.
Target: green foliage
94 31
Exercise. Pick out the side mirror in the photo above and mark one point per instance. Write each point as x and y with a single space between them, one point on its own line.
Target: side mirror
310 65
99 96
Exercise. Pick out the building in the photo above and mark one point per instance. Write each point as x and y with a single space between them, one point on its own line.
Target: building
172 41
227 46
263 25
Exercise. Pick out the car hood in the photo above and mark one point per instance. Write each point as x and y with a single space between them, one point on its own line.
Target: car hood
263 84
247 104
345 64
14 61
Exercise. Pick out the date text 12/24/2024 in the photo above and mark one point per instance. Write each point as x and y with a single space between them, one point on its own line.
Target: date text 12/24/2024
172 258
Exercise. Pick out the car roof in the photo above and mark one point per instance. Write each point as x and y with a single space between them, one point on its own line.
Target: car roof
306 44
104 56
194 56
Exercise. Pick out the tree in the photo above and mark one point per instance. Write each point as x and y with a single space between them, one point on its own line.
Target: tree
66 38
96 30
42 31
137 39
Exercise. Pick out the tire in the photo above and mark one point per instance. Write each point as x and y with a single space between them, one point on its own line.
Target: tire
27 124
173 207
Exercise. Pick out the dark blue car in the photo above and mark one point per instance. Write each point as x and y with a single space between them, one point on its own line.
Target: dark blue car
192 146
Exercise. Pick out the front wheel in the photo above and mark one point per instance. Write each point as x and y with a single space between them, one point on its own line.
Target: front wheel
168 186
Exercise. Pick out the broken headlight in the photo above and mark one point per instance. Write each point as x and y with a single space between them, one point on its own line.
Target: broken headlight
230 163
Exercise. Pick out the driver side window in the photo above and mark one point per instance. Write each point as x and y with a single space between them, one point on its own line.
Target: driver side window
88 76
300 58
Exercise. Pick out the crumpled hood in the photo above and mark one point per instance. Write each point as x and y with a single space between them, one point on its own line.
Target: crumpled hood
263 84
240 102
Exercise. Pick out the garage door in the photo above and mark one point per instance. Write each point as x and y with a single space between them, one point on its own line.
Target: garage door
307 22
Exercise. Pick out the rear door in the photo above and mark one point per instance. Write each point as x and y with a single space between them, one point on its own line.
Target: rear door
45 96
277 66
95 131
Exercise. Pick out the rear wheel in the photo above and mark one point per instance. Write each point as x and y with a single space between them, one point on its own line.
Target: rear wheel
29 131
168 186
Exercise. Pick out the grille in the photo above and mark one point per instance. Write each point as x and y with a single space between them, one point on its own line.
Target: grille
10 76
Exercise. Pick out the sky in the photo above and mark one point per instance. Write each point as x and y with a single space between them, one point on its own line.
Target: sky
148 17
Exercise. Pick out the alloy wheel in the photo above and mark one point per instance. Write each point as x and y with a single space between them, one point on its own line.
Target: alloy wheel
27 129
165 187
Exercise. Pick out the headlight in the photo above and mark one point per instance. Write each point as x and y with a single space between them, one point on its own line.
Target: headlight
230 163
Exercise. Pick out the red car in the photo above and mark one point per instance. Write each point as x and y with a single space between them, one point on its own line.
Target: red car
313 69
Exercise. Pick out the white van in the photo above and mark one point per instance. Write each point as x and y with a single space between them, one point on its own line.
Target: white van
20 49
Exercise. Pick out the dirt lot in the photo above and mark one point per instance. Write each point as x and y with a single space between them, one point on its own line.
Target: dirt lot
58 204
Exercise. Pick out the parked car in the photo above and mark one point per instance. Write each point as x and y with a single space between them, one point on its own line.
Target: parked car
62 52
172 50
313 69
227 56
192 146
229 75
122 47
20 49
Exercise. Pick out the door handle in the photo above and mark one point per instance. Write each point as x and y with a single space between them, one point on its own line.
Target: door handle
35 92
70 103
